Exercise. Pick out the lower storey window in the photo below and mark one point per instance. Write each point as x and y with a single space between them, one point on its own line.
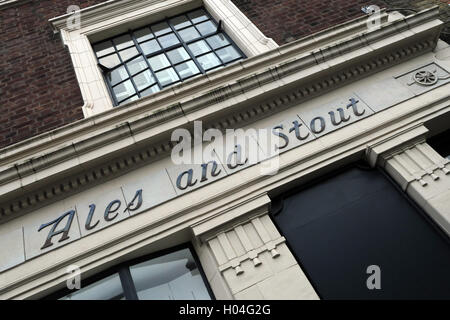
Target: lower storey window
359 237
172 276
143 61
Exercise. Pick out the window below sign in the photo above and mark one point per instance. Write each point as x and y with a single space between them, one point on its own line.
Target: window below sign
146 60
172 276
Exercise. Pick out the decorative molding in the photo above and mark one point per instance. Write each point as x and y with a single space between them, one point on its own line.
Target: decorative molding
125 125
417 161
245 241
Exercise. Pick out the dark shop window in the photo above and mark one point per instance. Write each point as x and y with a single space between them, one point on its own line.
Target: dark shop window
441 143
341 225
143 61
174 275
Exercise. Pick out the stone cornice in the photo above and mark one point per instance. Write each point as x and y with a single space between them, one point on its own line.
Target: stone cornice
110 9
53 164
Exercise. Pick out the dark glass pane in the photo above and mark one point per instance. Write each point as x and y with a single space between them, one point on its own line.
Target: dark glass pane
110 61
136 65
187 69
206 28
340 226
150 46
198 16
143 80
180 22
159 62
217 41
228 53
128 53
178 55
189 34
168 40
143 34
123 42
161 28
167 76
124 90
199 47
109 288
117 75
174 276
103 48
209 61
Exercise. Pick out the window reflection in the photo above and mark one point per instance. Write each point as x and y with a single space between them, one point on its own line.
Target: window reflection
109 288
171 277
172 50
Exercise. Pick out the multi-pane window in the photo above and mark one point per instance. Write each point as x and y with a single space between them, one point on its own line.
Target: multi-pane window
172 276
143 61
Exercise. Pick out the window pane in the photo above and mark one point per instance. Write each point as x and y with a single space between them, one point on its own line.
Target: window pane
110 61
209 61
174 276
180 22
187 69
227 54
109 288
158 62
117 75
206 27
189 34
198 16
199 47
124 90
149 91
167 76
161 28
103 48
136 65
143 34
178 55
150 46
123 42
143 80
217 41
128 53
168 40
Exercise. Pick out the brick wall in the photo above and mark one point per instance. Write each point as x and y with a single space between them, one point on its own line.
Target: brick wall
38 87
288 20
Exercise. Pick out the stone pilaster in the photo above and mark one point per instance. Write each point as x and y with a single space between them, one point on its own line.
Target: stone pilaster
250 260
425 176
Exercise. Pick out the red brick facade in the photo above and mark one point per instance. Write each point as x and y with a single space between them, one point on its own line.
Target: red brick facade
38 87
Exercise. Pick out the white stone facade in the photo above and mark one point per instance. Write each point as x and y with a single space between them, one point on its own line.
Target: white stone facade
114 153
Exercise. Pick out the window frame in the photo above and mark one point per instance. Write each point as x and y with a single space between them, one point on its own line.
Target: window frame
103 20
123 270
181 44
